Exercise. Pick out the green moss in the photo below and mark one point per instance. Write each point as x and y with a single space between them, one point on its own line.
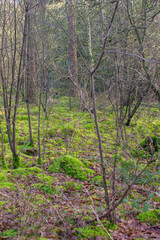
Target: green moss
2 203
5 138
10 233
47 188
51 132
72 166
74 185
139 153
97 180
22 117
45 178
4 165
39 161
39 199
152 216
26 171
5 183
29 150
140 238
151 141
15 161
68 130
8 185
3 177
91 232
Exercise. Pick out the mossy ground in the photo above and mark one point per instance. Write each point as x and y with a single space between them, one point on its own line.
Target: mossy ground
57 194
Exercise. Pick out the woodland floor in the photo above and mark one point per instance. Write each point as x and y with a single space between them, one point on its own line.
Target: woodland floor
37 202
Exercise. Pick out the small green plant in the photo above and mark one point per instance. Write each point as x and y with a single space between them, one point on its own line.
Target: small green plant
126 170
26 171
47 188
97 180
29 150
74 185
39 161
91 232
10 233
4 166
152 216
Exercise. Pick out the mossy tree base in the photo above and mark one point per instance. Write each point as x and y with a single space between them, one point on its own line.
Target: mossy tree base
15 161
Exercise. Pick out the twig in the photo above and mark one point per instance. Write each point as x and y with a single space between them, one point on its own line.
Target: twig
114 206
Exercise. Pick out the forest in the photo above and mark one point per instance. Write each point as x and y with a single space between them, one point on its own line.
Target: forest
80 119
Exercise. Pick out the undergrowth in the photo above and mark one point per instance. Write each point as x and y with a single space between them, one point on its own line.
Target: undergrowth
65 188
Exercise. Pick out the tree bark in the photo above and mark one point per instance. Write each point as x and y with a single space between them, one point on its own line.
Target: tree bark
72 46
31 76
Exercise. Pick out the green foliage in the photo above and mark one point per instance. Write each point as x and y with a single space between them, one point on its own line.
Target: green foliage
97 180
4 166
68 131
91 232
146 177
47 188
26 171
10 233
45 178
8 185
137 204
1 204
29 150
3 177
73 185
152 216
138 153
140 238
39 161
39 199
151 144
22 117
5 138
15 161
126 170
72 166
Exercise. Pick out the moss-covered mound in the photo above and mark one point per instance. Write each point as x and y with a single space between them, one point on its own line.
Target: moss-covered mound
72 166
151 144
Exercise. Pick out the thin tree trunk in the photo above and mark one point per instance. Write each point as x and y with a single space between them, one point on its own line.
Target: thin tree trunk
100 148
31 76
72 46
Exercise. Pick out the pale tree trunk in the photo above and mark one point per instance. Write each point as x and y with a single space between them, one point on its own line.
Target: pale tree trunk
92 72
31 69
72 46
43 79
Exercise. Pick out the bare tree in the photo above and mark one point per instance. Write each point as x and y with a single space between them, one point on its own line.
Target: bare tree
11 80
